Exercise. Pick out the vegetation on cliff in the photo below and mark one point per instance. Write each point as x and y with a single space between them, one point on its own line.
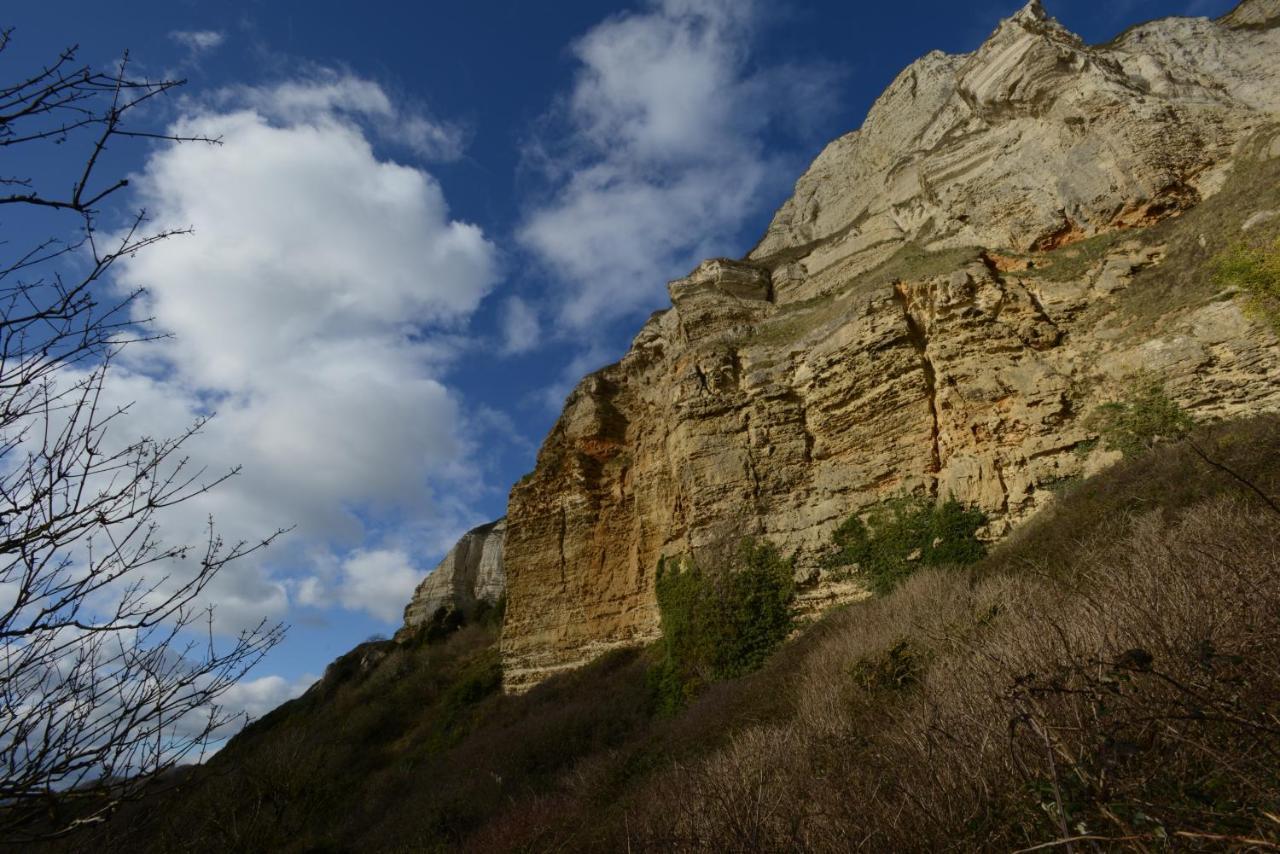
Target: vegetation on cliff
905 534
1142 419
721 622
1255 270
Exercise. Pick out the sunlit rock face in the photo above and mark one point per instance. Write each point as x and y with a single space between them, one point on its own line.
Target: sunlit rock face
470 573
1033 141
950 289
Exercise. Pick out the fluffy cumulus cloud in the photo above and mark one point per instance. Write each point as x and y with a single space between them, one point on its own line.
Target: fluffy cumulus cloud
659 152
313 308
379 582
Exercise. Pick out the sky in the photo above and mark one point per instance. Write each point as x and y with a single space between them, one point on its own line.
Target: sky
425 223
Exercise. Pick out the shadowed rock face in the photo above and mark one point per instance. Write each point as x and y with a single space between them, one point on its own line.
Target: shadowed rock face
470 573
920 317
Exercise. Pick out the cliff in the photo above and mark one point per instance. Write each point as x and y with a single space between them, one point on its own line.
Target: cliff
470 573
1010 235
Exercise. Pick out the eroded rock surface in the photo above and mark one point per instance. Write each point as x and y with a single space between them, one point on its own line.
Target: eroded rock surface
472 572
1009 236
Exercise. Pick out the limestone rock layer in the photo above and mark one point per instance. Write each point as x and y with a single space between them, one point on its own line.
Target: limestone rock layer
1010 235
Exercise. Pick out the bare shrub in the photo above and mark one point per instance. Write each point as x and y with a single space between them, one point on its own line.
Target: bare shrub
1135 703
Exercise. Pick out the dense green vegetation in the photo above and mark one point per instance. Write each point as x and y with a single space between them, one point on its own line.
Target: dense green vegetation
905 534
1108 675
1145 417
719 623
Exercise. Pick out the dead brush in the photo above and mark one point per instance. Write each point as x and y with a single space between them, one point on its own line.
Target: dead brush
1134 704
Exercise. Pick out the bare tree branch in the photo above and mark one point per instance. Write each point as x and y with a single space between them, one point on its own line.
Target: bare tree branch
110 668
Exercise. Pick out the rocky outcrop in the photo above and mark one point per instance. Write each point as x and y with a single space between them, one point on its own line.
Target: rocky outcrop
470 573
1033 141
1009 235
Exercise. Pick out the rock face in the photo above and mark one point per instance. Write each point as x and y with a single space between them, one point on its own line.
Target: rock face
1010 235
470 573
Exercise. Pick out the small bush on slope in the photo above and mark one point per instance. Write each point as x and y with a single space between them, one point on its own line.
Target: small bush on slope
905 534
719 623
1255 270
1143 419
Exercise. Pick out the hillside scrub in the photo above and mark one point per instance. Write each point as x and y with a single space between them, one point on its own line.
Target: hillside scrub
1107 675
903 535
1134 704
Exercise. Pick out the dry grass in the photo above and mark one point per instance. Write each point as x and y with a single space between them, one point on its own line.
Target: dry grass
1137 702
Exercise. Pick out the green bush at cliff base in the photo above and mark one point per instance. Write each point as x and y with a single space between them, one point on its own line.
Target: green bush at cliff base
1146 417
720 623
1255 270
905 534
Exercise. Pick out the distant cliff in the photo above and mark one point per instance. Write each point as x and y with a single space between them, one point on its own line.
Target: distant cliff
470 573
1010 234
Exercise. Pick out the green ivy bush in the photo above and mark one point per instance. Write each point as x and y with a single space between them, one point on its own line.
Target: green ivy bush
904 534
719 623
1145 418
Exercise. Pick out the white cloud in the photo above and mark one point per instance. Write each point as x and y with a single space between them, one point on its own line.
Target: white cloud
198 41
328 94
256 697
521 331
431 139
662 154
379 582
314 308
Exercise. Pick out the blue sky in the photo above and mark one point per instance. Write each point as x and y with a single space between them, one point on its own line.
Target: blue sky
428 220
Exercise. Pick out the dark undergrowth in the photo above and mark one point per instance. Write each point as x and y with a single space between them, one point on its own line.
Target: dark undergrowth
1108 678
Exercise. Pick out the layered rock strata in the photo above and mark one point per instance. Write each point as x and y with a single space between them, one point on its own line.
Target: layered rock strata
1010 235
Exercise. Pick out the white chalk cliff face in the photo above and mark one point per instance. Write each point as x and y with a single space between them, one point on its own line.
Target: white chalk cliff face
1010 235
469 574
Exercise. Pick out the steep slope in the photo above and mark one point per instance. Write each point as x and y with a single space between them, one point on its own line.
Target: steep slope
1009 235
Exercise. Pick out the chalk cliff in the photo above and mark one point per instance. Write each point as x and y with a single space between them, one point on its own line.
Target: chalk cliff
472 572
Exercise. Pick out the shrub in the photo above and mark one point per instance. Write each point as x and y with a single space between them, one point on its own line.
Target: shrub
490 613
1254 270
897 668
445 621
1145 418
719 624
903 534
